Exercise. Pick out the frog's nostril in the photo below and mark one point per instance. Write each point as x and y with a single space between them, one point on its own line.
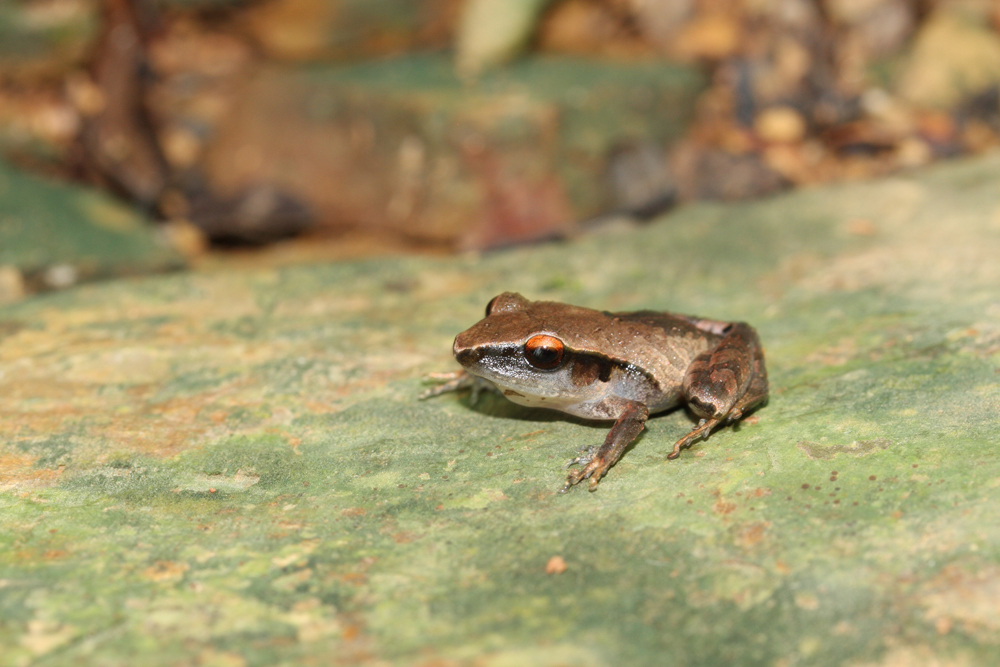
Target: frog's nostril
467 355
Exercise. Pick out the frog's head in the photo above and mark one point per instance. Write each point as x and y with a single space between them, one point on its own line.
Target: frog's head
530 349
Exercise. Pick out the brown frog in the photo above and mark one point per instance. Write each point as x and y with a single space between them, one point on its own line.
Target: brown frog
612 366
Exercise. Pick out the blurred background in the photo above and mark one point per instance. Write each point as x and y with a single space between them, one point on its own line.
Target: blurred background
148 135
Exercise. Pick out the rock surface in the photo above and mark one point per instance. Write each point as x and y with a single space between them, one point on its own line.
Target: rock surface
234 469
45 38
954 58
310 30
404 146
54 235
493 32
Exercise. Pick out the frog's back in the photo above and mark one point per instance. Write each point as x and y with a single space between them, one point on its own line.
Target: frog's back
662 345
650 350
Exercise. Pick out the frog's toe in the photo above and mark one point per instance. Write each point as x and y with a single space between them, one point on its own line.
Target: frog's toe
572 480
446 382
595 469
703 429
587 455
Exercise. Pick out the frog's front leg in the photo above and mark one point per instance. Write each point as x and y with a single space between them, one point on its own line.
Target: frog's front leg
628 427
457 381
724 383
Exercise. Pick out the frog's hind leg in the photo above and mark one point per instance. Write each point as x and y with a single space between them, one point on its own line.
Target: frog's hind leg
724 383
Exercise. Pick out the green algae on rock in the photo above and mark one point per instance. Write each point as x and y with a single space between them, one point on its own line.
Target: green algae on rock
57 234
234 468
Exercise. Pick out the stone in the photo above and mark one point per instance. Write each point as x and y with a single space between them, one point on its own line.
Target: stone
405 146
11 284
232 467
954 57
39 38
56 235
494 32
720 175
316 30
591 29
780 124
712 37
661 20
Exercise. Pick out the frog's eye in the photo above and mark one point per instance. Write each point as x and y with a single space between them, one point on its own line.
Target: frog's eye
544 352
489 306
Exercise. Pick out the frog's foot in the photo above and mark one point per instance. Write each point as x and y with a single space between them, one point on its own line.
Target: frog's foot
594 469
457 381
630 423
447 382
587 455
704 427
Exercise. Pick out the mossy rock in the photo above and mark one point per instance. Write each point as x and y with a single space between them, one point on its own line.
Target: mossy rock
405 145
45 224
234 468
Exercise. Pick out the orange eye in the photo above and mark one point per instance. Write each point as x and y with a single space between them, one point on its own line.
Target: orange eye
544 352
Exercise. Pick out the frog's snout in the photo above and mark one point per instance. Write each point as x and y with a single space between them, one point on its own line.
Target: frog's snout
466 355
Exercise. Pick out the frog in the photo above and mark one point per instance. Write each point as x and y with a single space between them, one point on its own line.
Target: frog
611 366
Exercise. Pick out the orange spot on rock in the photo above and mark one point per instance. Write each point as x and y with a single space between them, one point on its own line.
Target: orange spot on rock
18 471
165 570
722 506
556 565
752 534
